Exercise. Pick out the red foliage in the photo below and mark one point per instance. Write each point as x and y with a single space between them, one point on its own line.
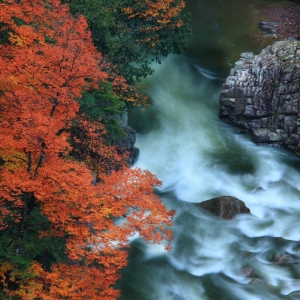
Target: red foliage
49 61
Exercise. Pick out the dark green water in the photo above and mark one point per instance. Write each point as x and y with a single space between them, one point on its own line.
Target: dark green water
197 157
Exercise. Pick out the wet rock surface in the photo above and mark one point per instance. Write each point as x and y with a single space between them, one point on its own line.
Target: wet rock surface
269 27
127 143
262 95
247 272
225 207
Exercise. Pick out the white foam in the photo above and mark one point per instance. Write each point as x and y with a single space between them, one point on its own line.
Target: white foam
198 158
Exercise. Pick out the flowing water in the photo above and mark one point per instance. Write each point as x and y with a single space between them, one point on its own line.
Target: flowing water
197 157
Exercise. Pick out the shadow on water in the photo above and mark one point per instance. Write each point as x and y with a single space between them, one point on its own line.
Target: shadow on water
221 31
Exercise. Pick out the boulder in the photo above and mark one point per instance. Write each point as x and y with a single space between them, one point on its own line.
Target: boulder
269 27
225 207
262 95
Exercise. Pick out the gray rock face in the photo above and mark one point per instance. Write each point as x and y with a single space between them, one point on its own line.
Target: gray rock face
262 95
225 207
127 143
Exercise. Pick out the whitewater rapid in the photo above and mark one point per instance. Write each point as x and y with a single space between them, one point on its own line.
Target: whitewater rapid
197 157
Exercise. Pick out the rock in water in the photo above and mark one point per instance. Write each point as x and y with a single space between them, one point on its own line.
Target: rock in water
226 207
262 95
247 272
269 27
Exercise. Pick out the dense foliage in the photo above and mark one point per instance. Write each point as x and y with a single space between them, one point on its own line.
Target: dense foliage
68 203
134 33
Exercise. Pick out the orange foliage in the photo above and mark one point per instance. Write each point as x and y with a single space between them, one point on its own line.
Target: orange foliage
156 16
31 284
161 12
49 61
89 145
132 94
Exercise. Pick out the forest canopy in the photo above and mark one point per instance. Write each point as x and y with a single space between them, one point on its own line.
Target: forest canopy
133 33
68 200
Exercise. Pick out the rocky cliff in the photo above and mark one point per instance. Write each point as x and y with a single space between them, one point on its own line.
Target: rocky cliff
126 143
262 95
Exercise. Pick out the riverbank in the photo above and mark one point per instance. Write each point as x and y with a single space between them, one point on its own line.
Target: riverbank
287 13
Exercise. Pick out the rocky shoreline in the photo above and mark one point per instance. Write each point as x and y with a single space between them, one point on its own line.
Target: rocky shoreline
287 19
279 21
262 93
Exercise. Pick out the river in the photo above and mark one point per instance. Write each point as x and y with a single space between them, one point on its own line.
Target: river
197 157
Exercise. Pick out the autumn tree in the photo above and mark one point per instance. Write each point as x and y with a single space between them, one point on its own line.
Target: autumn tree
61 233
133 33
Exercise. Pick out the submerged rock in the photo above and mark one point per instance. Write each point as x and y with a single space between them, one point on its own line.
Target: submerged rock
282 259
225 207
258 190
269 27
247 272
262 95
